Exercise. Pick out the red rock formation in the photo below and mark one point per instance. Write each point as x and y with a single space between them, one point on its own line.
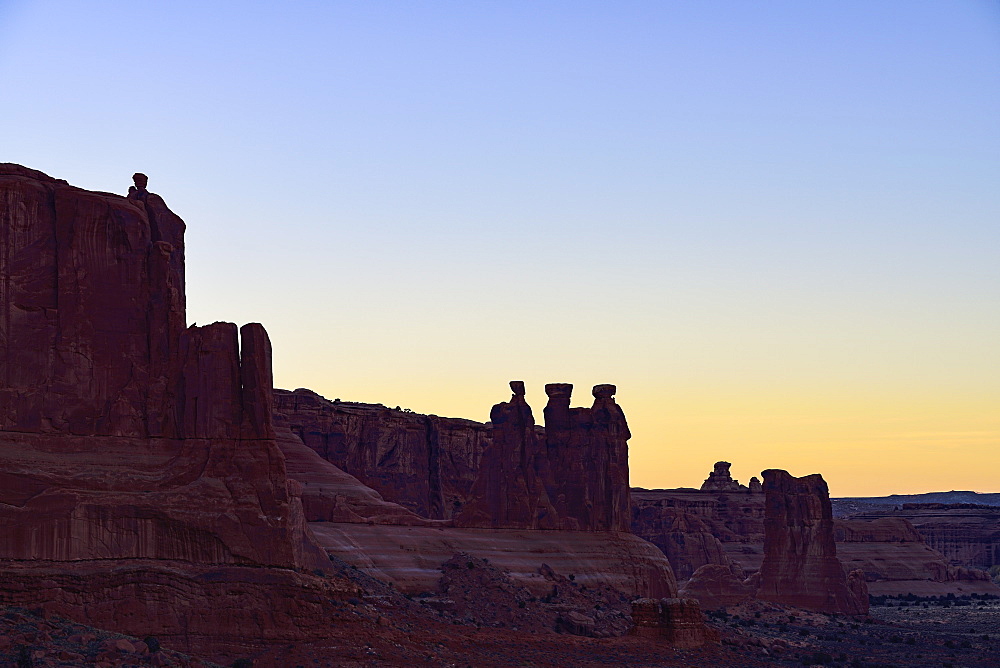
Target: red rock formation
719 480
124 436
411 556
677 620
715 586
588 454
685 538
514 473
800 565
736 519
894 559
423 462
331 495
215 611
966 534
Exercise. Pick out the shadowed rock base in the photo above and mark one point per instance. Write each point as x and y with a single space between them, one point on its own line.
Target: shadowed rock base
677 620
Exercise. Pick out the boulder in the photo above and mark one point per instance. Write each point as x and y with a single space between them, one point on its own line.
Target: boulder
676 620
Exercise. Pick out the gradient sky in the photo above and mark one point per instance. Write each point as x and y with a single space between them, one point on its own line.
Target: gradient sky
775 226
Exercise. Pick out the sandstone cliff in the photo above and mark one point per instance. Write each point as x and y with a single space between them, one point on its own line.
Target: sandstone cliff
127 439
968 535
574 477
425 463
800 565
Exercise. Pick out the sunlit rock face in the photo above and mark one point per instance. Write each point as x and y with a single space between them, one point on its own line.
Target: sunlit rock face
800 565
124 434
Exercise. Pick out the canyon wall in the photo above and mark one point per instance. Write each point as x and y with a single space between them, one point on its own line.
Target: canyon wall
425 463
968 535
126 438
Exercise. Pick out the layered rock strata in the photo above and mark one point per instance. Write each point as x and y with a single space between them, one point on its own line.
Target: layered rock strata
695 528
967 534
425 463
411 556
127 439
895 560
677 620
800 566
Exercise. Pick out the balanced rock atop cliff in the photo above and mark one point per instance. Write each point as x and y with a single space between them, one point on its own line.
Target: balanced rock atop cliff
800 565
574 478
720 480
124 434
512 488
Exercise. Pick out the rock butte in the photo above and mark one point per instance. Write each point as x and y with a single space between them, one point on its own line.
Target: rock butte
153 484
695 528
153 481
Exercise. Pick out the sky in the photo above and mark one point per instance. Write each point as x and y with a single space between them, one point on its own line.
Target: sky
775 226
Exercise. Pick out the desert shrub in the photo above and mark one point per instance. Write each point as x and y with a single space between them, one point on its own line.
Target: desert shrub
152 643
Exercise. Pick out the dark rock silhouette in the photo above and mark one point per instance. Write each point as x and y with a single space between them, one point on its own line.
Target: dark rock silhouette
588 447
719 480
511 488
800 565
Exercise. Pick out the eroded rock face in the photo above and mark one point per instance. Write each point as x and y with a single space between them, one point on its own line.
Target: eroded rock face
800 565
124 436
677 620
410 556
425 463
685 538
719 480
966 534
588 455
895 559
512 487
715 586
676 521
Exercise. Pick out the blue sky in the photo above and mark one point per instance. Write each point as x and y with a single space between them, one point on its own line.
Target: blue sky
730 209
